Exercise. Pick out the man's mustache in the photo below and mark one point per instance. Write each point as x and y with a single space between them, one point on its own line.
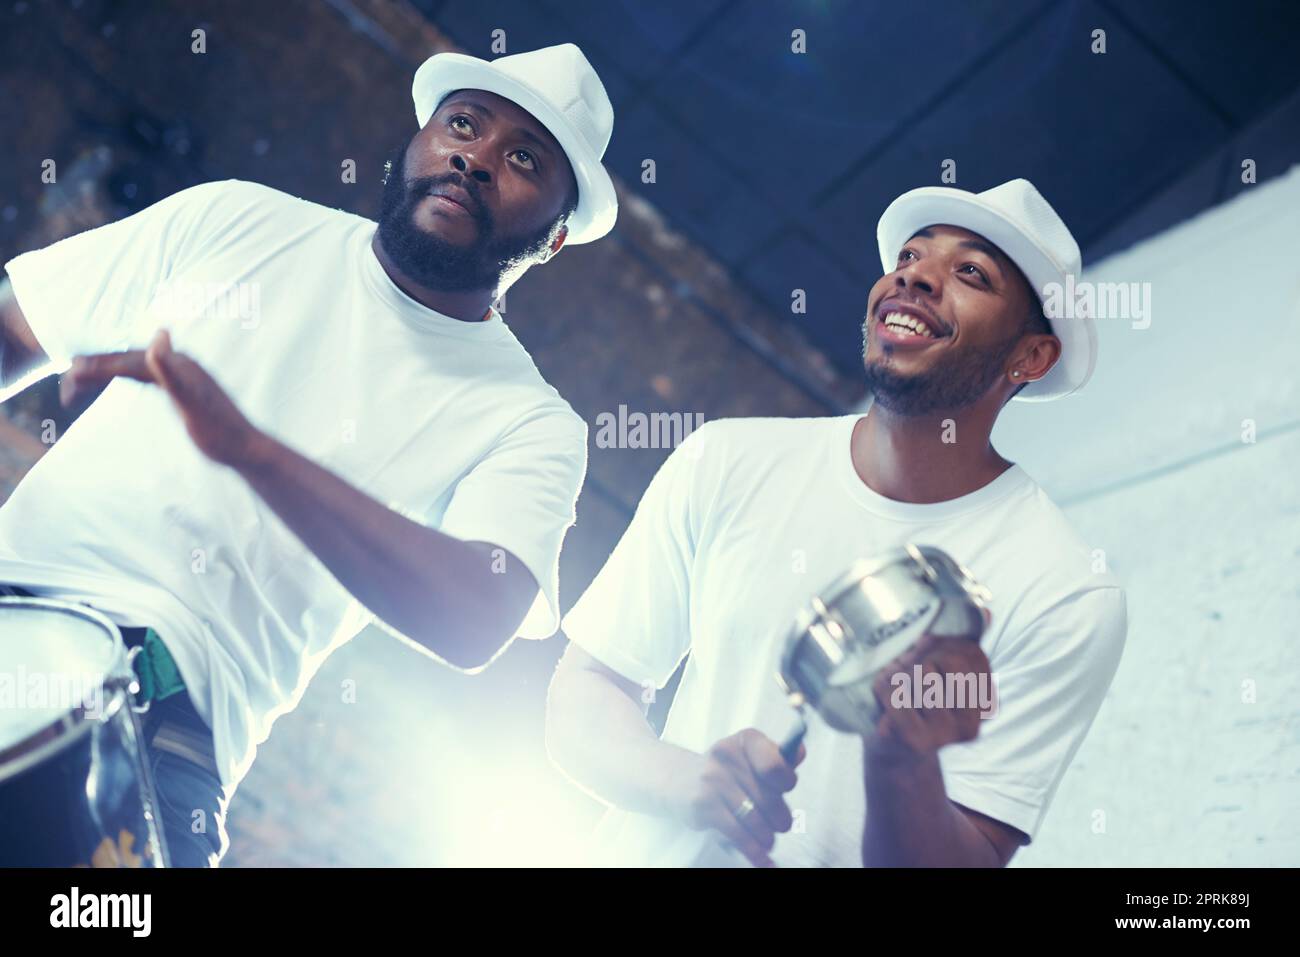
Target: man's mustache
426 184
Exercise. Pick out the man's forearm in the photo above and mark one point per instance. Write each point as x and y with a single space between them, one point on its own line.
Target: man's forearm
435 589
22 361
910 820
600 738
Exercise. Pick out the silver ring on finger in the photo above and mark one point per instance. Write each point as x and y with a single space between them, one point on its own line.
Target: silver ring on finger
745 810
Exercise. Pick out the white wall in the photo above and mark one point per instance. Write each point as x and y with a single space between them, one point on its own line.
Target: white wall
1204 529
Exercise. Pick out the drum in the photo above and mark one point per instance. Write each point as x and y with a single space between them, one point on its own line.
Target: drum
865 619
75 788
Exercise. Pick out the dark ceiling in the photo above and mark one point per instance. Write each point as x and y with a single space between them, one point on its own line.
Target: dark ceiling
780 163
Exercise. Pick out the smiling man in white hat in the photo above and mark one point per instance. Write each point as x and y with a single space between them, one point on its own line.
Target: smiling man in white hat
333 426
750 518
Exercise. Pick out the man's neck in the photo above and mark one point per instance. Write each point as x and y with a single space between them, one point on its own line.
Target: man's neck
906 458
468 306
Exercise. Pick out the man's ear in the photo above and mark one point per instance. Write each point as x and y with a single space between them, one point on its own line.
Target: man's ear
556 243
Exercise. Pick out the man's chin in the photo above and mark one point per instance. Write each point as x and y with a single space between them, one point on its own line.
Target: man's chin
429 237
457 236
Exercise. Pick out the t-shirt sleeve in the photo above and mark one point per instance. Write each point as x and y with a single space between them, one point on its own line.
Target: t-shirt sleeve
635 616
89 293
523 498
1049 684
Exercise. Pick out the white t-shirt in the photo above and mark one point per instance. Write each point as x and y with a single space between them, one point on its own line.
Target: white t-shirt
285 304
741 526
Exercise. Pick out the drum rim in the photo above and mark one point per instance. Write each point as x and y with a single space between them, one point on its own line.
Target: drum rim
860 568
69 727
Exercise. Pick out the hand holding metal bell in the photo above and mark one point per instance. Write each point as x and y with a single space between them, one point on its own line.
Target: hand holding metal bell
735 789
911 725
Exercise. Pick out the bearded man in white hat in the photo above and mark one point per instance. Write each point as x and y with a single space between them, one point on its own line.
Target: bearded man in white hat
310 421
749 518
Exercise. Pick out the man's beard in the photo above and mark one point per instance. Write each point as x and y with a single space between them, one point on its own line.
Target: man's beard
433 262
954 381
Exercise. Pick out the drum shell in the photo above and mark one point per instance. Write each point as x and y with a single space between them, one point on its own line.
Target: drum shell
866 618
79 792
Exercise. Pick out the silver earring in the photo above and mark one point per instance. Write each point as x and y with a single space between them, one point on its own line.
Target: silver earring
1015 373
388 169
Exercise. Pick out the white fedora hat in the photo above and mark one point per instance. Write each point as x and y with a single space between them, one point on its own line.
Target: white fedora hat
562 92
1015 218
